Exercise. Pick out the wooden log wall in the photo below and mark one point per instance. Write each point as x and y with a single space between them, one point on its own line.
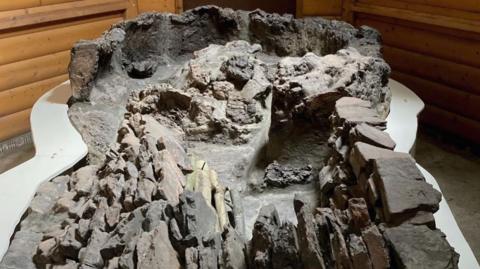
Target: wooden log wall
433 47
35 41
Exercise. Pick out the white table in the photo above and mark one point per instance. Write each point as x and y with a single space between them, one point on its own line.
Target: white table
59 146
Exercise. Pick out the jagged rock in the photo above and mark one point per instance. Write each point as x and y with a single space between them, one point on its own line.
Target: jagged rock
358 253
233 249
340 249
309 247
83 68
373 136
157 212
285 250
171 179
167 139
90 255
263 231
84 179
402 190
238 69
419 247
222 89
376 247
359 214
198 218
280 176
191 258
154 249
48 193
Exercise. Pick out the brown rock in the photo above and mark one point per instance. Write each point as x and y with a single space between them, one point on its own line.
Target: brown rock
416 246
359 214
376 247
309 248
401 190
363 154
371 135
358 253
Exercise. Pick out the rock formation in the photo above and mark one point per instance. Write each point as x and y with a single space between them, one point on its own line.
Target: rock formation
232 139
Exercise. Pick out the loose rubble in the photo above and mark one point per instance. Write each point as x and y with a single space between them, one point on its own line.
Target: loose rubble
145 200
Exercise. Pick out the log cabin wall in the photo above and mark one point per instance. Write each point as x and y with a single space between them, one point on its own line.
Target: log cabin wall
433 47
35 41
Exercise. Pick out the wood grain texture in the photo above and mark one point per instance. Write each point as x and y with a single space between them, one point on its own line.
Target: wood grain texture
464 77
50 13
17 4
32 70
25 96
442 96
14 124
40 43
451 122
319 8
426 41
156 5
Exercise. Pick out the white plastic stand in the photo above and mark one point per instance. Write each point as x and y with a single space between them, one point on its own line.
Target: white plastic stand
58 146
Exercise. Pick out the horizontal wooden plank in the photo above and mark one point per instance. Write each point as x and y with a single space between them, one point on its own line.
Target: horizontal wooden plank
466 9
156 5
17 4
459 76
32 45
52 2
419 17
439 45
24 97
7 33
452 123
44 14
321 8
14 124
32 70
447 98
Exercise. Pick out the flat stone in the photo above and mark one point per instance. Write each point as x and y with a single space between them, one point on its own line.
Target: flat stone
401 191
363 154
417 246
371 135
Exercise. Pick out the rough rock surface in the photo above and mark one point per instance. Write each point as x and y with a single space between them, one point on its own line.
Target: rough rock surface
177 126
156 47
420 247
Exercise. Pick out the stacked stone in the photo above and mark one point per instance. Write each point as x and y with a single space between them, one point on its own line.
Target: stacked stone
132 211
365 173
326 238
